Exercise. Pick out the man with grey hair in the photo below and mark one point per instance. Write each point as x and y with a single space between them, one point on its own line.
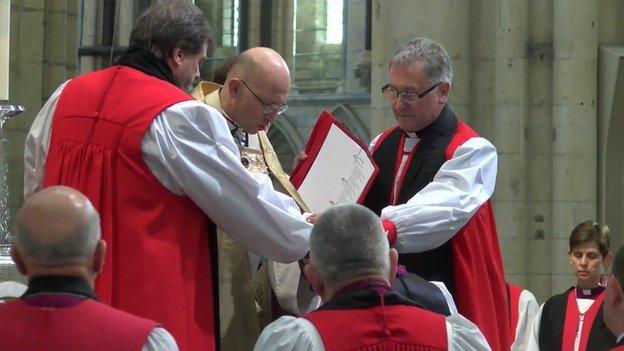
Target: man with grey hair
58 248
351 268
433 192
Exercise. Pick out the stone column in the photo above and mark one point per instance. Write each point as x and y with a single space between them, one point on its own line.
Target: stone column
60 44
539 141
510 111
357 58
124 15
283 32
575 42
482 69
89 27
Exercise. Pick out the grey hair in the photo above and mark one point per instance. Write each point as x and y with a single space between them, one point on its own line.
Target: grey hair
437 62
78 245
347 242
170 24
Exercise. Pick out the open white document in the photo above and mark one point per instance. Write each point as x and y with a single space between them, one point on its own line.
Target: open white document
339 169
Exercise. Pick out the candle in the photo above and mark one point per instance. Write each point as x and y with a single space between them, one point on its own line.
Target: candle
5 26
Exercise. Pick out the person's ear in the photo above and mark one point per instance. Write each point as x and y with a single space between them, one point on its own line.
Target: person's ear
233 86
177 56
99 256
443 92
313 278
19 262
394 261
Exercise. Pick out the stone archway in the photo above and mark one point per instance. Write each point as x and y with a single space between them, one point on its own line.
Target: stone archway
352 120
286 141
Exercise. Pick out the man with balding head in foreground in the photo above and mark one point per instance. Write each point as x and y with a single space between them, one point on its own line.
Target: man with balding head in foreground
58 247
253 95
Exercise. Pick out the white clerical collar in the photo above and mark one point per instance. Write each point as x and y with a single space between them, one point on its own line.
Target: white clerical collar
411 135
239 135
588 293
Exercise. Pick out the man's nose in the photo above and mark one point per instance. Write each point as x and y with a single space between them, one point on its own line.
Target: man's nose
399 104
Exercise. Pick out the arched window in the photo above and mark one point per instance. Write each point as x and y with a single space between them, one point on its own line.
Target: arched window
318 65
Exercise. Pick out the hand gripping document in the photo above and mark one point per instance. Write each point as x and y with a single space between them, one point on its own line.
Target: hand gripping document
339 169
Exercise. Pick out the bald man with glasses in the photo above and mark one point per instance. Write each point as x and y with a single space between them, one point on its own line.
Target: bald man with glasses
433 192
251 98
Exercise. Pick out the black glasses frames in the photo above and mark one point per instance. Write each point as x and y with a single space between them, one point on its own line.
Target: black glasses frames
391 93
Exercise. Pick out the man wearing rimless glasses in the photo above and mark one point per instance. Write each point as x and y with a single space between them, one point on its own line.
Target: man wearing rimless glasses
255 91
251 97
437 176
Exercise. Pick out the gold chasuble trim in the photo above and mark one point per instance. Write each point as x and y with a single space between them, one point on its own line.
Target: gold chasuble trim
244 302
275 168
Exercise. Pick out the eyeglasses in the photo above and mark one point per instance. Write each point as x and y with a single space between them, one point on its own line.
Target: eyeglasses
393 95
268 108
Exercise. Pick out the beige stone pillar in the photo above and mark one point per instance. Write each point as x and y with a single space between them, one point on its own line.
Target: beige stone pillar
124 15
610 141
510 111
253 29
575 43
539 139
611 118
43 55
483 54
357 58
26 57
282 32
60 44
89 27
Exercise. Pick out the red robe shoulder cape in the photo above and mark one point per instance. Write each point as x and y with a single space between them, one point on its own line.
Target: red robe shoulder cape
395 327
90 325
158 262
478 278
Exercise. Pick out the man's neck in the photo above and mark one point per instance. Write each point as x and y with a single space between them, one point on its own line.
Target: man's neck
373 282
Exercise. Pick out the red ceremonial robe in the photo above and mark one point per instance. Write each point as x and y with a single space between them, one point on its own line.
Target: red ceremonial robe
351 322
158 263
89 325
470 264
560 321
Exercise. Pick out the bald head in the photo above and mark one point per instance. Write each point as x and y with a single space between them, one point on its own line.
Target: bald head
263 66
56 226
256 89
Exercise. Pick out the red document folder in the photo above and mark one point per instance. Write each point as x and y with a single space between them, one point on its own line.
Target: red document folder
317 139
